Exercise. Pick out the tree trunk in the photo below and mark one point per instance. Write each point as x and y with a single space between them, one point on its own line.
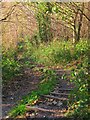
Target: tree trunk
79 24
44 23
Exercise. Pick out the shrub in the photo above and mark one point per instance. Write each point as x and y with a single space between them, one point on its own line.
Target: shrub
10 66
79 105
81 49
53 53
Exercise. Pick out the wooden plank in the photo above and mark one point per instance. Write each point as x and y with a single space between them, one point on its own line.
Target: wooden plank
54 93
62 89
53 97
37 108
6 105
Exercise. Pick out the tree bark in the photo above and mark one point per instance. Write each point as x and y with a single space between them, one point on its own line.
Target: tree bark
78 24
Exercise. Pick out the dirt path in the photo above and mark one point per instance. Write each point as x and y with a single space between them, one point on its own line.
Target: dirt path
17 88
55 104
24 84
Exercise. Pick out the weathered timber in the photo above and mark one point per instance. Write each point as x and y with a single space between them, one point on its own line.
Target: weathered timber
62 94
36 108
62 89
53 97
6 105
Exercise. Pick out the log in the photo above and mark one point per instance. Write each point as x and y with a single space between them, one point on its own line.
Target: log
6 105
62 89
35 108
54 93
53 97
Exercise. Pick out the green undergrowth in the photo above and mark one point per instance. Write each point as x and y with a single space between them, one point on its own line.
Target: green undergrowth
13 62
52 53
10 66
80 77
46 85
55 52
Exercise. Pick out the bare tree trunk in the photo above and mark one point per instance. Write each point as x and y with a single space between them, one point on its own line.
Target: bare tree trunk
74 27
78 25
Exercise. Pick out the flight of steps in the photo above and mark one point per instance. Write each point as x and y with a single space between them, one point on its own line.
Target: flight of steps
53 105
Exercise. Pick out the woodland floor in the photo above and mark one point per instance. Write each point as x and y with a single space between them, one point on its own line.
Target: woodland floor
24 84
17 88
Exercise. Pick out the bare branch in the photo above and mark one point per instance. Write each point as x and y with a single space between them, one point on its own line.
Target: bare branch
74 4
9 13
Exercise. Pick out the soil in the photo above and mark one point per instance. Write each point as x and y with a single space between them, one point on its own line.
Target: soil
17 88
24 84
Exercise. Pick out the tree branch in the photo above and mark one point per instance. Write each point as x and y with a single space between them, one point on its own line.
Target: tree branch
9 13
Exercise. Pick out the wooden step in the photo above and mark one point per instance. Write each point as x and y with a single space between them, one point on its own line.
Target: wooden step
62 89
6 105
60 70
64 94
53 97
63 71
37 108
